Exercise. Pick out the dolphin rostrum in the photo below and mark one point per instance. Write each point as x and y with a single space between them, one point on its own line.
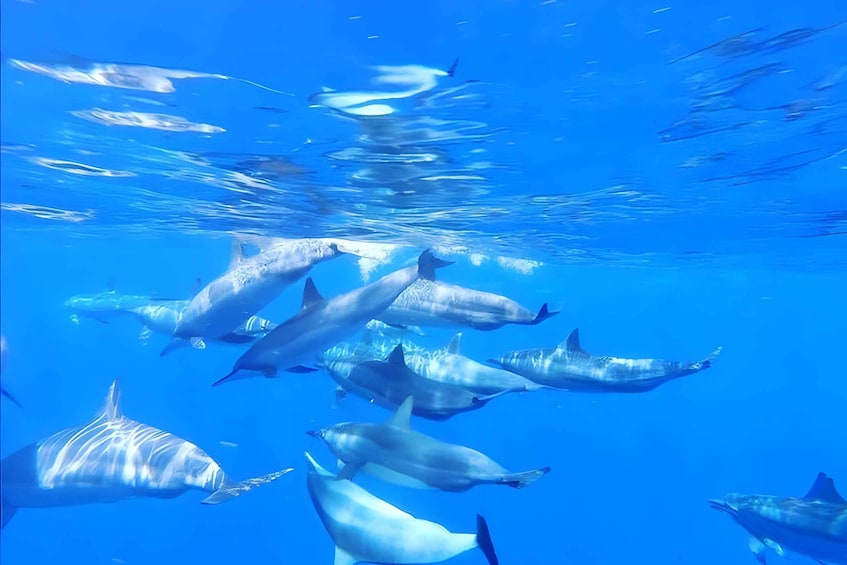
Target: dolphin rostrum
815 525
109 459
388 383
440 304
367 529
250 284
395 453
570 367
321 323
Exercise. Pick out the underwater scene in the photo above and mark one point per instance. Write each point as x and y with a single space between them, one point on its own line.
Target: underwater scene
469 282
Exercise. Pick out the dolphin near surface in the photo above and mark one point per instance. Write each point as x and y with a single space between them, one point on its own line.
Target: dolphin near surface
367 529
395 453
109 459
250 284
814 525
388 383
440 304
297 343
568 366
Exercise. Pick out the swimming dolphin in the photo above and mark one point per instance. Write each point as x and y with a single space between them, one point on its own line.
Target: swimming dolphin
4 359
321 323
570 367
395 453
109 459
367 529
388 383
250 284
815 525
440 304
448 365
104 306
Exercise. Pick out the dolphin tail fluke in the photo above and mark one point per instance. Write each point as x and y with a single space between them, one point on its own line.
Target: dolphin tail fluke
230 490
483 539
707 362
521 480
14 400
428 263
7 511
543 314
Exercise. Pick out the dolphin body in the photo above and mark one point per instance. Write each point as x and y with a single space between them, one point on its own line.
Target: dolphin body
388 383
4 359
570 367
448 365
814 525
367 529
321 323
105 306
395 453
439 304
250 284
109 459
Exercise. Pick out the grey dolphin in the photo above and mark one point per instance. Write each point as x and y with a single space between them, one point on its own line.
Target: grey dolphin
388 383
104 306
570 367
448 365
395 453
109 459
440 304
814 525
367 529
321 323
4 359
250 284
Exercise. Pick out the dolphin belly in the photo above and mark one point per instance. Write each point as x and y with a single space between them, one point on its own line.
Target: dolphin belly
395 477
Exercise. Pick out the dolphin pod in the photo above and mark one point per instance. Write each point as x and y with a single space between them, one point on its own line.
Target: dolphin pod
113 458
814 525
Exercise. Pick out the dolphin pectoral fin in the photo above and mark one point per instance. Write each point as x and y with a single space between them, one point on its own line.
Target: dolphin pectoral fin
343 558
300 369
231 490
173 346
7 511
483 540
758 549
521 480
349 470
14 400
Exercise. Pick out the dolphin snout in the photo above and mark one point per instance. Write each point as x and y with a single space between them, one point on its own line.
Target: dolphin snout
314 433
723 507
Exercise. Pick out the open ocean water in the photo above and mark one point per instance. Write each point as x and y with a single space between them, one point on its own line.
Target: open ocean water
667 178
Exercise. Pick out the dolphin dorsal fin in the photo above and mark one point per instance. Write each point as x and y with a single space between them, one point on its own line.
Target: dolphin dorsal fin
402 418
396 357
111 409
824 489
571 343
455 344
310 294
236 256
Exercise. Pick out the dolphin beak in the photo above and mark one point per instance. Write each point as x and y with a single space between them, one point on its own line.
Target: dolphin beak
723 507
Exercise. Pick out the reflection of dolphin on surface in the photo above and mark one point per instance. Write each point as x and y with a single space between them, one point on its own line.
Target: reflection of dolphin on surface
570 367
395 453
367 529
109 459
4 355
814 525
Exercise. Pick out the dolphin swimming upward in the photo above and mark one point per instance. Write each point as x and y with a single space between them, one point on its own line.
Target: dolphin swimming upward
815 525
395 453
109 459
440 304
366 529
295 344
570 367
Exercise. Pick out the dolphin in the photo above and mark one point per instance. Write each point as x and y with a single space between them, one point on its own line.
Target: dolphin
109 459
250 284
367 529
814 525
321 323
4 359
570 367
105 306
395 453
448 365
388 383
440 304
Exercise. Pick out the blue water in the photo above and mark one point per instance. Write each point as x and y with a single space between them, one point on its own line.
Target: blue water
665 209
